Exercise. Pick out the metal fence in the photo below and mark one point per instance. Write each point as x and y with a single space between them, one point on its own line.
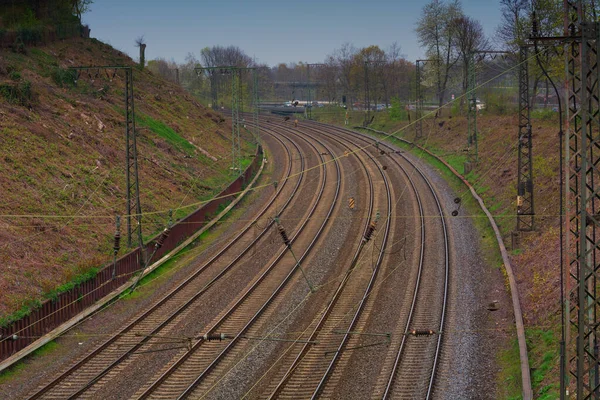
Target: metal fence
65 306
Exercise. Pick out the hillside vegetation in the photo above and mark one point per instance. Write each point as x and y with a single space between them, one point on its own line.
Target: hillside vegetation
62 163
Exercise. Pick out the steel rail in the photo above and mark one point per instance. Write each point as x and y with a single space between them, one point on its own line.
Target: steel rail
337 294
172 369
170 295
367 290
446 274
204 373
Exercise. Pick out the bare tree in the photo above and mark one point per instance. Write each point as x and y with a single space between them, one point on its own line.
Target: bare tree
164 68
225 56
514 26
81 7
468 36
436 34
140 42
343 58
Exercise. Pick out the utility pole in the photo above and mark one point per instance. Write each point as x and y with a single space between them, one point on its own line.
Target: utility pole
134 208
367 96
579 355
525 209
214 90
255 109
419 103
582 160
236 112
472 135
471 113
236 146
367 120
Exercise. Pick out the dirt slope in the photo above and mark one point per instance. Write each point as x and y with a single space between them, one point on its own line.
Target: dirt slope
62 162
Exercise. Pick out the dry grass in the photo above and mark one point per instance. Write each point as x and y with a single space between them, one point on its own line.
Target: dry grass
63 163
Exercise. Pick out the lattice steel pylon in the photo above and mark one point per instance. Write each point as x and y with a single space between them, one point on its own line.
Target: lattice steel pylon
214 90
419 102
133 185
525 209
255 109
582 160
367 96
419 99
308 107
235 121
236 112
472 110
134 208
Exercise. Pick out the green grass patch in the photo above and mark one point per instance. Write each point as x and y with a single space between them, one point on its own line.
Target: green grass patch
42 57
26 309
162 271
16 368
165 132
544 114
63 77
16 93
509 379
544 353
78 280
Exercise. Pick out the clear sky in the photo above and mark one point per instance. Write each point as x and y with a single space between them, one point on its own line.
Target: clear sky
271 31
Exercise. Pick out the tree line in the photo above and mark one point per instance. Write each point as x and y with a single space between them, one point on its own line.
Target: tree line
18 14
451 41
341 78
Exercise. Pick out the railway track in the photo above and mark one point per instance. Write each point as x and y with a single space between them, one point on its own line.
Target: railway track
304 378
413 370
318 360
143 330
412 373
309 369
182 377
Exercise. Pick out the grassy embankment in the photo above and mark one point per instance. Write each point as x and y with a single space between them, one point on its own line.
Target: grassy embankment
63 169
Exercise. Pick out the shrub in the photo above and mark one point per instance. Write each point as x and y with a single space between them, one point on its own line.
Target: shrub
398 112
30 35
16 93
63 77
14 75
64 31
545 114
